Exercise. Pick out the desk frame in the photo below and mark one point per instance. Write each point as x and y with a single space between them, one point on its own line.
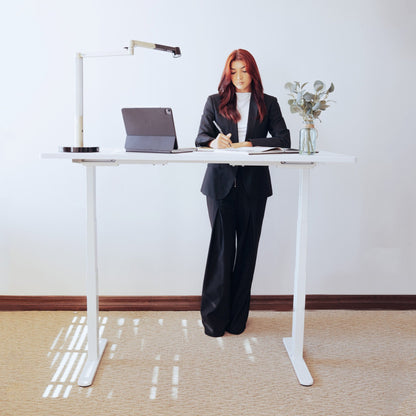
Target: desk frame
293 344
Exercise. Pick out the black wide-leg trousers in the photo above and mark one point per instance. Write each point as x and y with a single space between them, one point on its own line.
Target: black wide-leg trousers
236 224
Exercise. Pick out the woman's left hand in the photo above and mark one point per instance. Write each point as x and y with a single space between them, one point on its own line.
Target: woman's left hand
242 144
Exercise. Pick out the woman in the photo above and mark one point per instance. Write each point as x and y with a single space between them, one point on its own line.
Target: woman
236 196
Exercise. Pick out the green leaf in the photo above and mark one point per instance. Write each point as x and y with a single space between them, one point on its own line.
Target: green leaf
289 86
316 106
308 97
318 85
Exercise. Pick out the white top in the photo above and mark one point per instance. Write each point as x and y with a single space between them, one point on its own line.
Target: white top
243 106
231 156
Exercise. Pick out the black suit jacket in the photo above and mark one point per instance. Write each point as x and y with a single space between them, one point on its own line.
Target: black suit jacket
219 178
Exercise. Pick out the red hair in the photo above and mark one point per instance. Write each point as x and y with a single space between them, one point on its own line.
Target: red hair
228 102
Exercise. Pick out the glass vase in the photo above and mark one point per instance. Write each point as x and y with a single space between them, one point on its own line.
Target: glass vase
307 139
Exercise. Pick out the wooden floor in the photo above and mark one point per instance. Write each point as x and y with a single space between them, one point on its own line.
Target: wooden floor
192 303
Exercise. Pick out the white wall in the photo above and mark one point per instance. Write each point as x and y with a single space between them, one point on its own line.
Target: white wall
153 226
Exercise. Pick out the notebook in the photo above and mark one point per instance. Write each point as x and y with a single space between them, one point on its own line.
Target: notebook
151 130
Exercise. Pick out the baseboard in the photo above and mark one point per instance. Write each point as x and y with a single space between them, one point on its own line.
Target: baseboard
192 303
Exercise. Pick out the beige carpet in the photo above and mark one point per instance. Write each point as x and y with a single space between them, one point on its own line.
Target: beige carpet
161 363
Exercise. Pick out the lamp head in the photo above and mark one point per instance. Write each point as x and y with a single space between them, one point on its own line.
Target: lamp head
174 49
137 43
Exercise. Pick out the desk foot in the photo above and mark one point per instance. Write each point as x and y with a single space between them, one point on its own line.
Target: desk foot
299 365
90 368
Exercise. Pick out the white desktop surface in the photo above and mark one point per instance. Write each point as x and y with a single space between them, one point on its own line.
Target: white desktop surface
231 157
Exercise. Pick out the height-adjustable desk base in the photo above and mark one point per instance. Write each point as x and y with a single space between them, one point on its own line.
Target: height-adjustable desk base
294 344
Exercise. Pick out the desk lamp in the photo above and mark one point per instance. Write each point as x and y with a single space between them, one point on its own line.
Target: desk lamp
79 88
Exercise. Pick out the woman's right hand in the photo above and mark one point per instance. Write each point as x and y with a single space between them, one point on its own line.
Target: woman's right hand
222 141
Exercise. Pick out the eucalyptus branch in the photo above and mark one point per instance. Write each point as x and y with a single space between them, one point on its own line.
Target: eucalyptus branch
308 105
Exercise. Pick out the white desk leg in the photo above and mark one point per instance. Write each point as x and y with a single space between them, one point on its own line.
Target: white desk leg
294 345
95 345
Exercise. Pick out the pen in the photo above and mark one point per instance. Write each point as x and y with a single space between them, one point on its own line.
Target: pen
219 129
217 126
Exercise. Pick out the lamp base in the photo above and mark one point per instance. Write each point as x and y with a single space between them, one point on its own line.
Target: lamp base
79 149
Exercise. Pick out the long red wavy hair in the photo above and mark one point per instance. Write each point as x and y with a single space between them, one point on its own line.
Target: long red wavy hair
228 102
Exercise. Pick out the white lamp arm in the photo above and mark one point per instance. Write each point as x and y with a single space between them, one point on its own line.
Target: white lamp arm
79 75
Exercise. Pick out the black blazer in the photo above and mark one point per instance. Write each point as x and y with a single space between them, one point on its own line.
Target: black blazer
219 178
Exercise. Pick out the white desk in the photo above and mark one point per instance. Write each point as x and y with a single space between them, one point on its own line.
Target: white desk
293 344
